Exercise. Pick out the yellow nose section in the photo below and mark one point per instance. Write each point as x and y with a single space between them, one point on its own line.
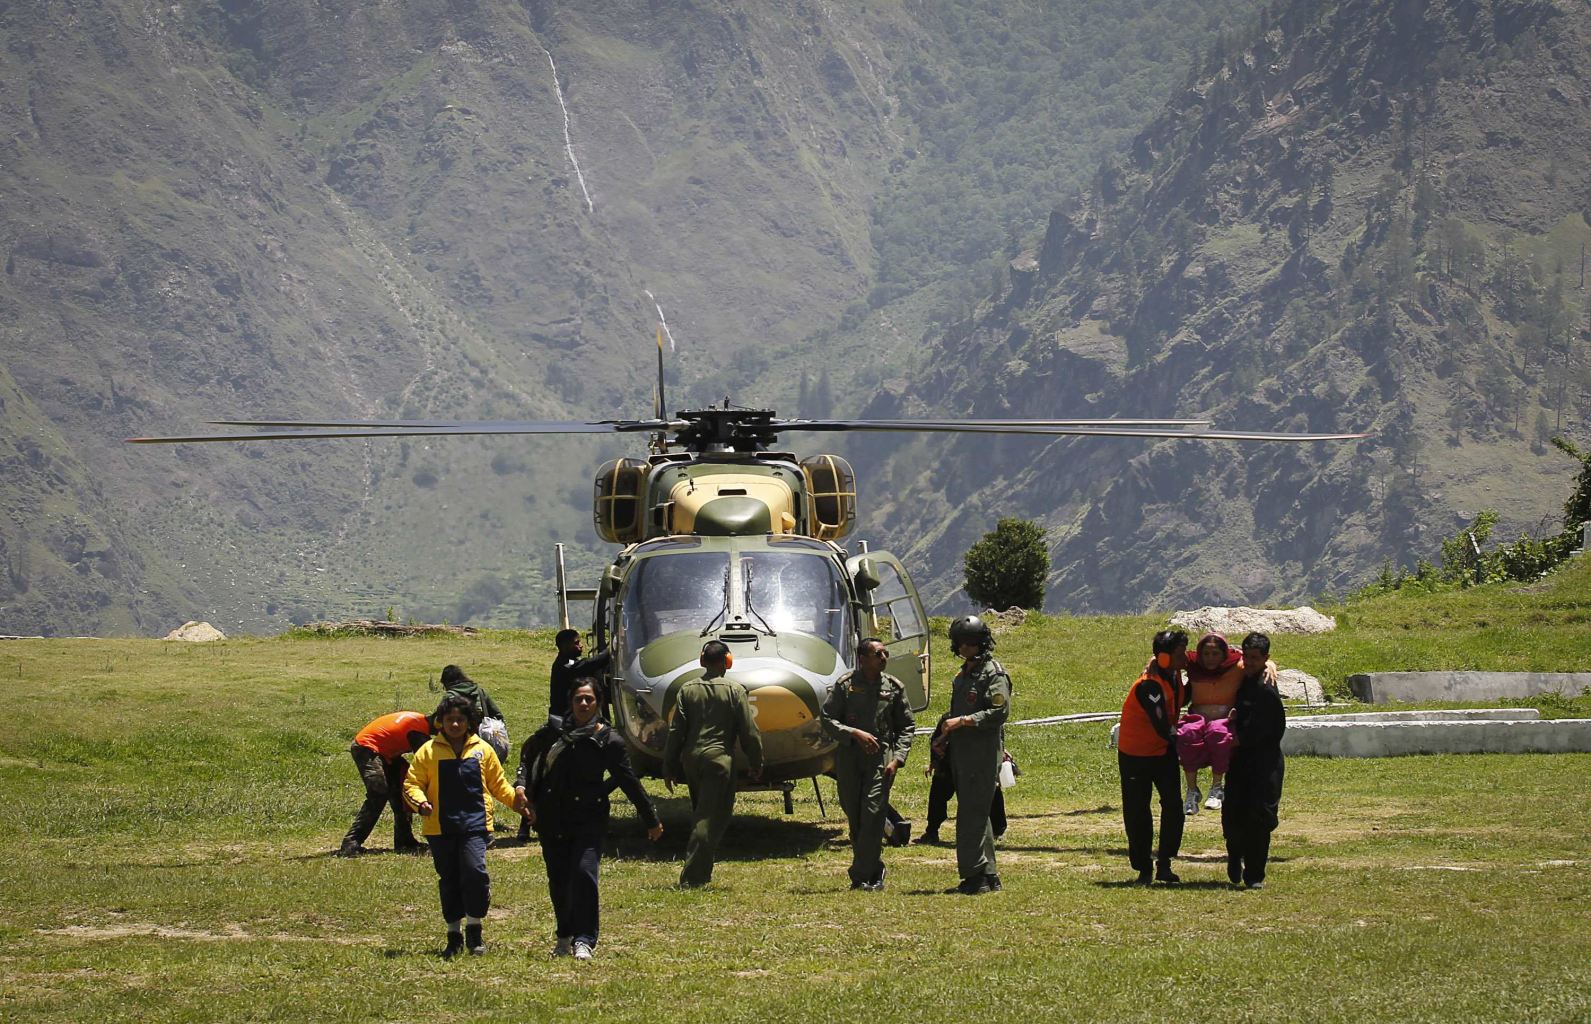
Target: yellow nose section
777 709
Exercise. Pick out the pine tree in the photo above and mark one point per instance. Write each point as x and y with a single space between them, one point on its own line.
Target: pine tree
1006 568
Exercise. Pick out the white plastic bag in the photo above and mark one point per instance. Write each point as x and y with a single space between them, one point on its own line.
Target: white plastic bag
1007 774
495 733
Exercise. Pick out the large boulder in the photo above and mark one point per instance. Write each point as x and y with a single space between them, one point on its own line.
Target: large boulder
1234 622
1295 685
1000 622
196 633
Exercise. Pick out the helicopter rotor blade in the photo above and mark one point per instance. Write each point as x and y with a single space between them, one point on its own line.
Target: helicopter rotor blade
298 430
1099 428
952 424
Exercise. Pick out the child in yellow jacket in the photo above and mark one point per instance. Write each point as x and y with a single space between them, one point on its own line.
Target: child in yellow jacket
450 780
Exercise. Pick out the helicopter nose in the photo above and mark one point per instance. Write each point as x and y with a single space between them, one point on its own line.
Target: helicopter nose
780 700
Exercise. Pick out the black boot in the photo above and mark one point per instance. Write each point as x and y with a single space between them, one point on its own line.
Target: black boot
1163 873
455 943
473 940
972 886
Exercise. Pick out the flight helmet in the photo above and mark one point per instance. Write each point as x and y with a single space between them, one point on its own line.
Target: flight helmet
971 629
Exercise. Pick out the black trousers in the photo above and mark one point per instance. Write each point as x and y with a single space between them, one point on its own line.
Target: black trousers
383 781
943 787
1140 778
1248 847
572 866
1249 816
461 876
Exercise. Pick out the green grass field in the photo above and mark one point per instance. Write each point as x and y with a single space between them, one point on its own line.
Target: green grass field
172 809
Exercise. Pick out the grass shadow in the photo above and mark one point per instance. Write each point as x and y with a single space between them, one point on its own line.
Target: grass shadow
1074 813
1133 883
750 837
1097 851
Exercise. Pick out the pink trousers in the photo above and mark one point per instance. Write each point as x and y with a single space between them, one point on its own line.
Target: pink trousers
1202 741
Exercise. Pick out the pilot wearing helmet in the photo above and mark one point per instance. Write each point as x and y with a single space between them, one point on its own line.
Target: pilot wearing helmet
974 740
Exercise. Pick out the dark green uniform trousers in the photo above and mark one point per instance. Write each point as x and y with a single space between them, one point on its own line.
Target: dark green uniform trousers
712 782
864 793
977 775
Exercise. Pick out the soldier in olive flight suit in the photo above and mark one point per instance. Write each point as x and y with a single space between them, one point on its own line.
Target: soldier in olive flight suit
710 715
866 711
974 740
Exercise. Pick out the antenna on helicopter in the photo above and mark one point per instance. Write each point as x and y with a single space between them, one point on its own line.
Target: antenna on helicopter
659 441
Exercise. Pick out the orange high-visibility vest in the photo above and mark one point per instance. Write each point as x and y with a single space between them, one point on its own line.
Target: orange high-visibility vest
1138 736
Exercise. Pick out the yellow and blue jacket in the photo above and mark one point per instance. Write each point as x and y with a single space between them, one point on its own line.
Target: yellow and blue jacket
456 786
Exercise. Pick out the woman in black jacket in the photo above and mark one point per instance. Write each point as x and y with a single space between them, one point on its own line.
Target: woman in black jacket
566 771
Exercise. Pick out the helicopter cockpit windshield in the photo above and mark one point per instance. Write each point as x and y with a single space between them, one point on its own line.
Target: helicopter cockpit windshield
797 592
671 594
794 591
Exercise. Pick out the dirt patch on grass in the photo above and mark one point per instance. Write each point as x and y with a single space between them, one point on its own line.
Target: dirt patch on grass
229 933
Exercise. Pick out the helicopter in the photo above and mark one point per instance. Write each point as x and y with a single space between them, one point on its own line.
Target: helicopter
724 536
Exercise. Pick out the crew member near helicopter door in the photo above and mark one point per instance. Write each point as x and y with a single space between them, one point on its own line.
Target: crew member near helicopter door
569 666
1146 753
866 711
711 715
974 742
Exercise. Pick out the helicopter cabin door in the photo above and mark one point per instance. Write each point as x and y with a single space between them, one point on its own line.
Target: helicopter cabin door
893 612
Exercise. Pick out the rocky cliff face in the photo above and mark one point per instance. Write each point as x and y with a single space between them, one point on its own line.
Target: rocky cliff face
1362 215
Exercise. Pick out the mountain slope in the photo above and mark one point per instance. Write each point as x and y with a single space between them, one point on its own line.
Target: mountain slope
1361 215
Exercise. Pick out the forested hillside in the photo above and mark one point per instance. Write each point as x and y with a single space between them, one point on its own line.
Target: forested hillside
1364 215
303 209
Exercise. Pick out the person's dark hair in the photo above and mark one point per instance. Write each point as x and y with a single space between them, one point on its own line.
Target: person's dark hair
1257 642
872 640
595 686
715 650
563 636
1170 640
452 675
456 702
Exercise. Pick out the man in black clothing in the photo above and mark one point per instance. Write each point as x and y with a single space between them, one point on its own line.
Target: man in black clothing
569 666
1254 779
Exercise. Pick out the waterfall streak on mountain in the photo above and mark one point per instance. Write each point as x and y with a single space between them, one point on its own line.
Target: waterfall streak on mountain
661 319
568 141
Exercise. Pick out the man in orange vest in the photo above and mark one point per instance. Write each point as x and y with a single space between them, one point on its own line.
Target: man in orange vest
378 752
1146 751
